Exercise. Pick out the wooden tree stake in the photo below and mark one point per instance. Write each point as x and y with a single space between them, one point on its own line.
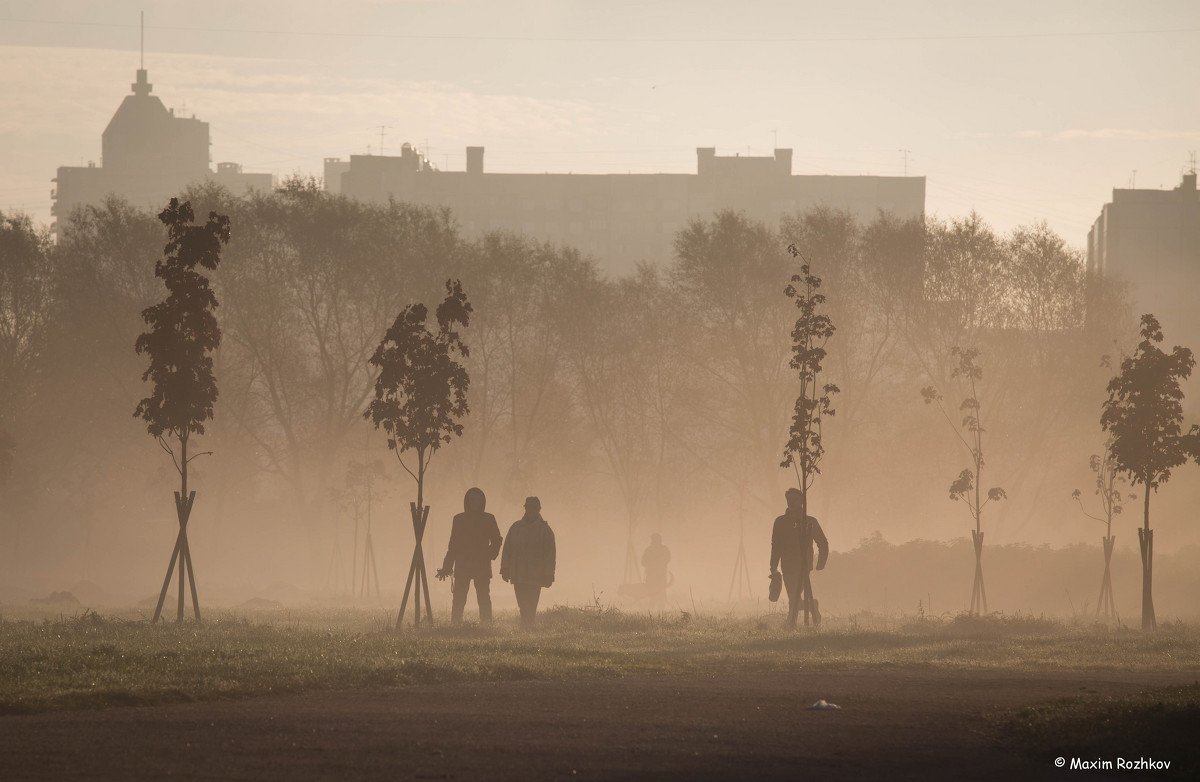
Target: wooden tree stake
416 572
183 554
978 592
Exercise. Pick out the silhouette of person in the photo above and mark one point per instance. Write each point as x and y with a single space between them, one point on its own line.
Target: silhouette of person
474 543
792 540
528 559
655 559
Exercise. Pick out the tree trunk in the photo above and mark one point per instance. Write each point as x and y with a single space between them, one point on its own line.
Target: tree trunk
418 580
1146 543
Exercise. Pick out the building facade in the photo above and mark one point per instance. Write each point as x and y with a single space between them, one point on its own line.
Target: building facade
1151 239
621 219
148 155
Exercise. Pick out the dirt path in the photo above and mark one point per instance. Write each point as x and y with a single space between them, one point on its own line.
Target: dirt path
904 724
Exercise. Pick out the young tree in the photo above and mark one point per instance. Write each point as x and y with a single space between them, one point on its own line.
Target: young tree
805 448
420 396
967 486
357 498
1144 415
183 334
1107 478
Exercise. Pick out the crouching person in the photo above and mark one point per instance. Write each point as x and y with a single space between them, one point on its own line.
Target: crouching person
527 561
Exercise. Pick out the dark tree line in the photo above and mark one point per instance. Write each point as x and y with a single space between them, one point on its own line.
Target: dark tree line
648 401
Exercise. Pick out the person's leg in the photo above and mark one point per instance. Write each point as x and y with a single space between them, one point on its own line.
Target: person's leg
519 590
461 585
535 593
810 602
791 584
483 593
527 597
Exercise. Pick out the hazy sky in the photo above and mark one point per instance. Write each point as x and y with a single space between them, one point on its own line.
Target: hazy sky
1020 110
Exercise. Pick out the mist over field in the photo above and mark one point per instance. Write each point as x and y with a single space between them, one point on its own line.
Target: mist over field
653 402
650 394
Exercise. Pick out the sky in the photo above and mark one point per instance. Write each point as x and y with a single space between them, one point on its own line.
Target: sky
1022 111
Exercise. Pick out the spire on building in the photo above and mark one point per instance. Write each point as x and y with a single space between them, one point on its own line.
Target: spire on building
141 86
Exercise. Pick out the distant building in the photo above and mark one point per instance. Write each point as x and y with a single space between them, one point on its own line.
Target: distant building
619 218
1151 239
147 155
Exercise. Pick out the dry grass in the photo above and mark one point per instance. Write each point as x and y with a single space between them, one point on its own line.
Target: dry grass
93 661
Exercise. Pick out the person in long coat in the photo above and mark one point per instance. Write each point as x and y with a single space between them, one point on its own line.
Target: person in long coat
792 540
474 543
656 560
528 559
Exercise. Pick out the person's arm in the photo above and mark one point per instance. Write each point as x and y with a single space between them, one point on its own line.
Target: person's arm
505 555
451 549
822 544
495 539
552 553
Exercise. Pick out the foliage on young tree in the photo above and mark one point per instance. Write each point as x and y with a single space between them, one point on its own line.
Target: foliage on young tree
183 334
1144 416
1107 478
183 330
812 331
967 486
1107 489
421 392
420 397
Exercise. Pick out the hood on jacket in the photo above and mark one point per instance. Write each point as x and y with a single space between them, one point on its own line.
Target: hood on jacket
474 500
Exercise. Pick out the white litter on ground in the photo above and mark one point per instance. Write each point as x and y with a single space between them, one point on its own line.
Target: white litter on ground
824 704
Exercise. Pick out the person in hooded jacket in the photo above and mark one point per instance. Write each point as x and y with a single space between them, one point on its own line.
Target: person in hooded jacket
474 543
528 559
792 540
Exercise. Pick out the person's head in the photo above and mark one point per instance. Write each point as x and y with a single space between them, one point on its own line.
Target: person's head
794 498
656 539
474 500
533 506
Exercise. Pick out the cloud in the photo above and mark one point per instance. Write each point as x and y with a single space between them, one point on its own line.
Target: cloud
1128 134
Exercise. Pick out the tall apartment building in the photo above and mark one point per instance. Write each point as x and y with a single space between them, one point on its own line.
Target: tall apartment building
148 155
1151 239
621 219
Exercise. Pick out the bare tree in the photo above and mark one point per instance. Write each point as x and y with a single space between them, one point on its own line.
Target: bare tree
1107 478
968 486
26 297
312 281
524 294
726 279
617 365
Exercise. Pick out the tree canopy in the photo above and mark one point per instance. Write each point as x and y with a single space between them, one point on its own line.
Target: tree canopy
421 392
183 329
1144 410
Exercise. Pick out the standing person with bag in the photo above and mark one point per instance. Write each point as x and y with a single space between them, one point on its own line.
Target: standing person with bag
792 540
528 559
474 543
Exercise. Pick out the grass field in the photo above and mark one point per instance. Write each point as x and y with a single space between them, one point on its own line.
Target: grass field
1159 725
94 661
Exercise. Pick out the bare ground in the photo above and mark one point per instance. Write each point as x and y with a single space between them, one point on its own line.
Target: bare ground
917 724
